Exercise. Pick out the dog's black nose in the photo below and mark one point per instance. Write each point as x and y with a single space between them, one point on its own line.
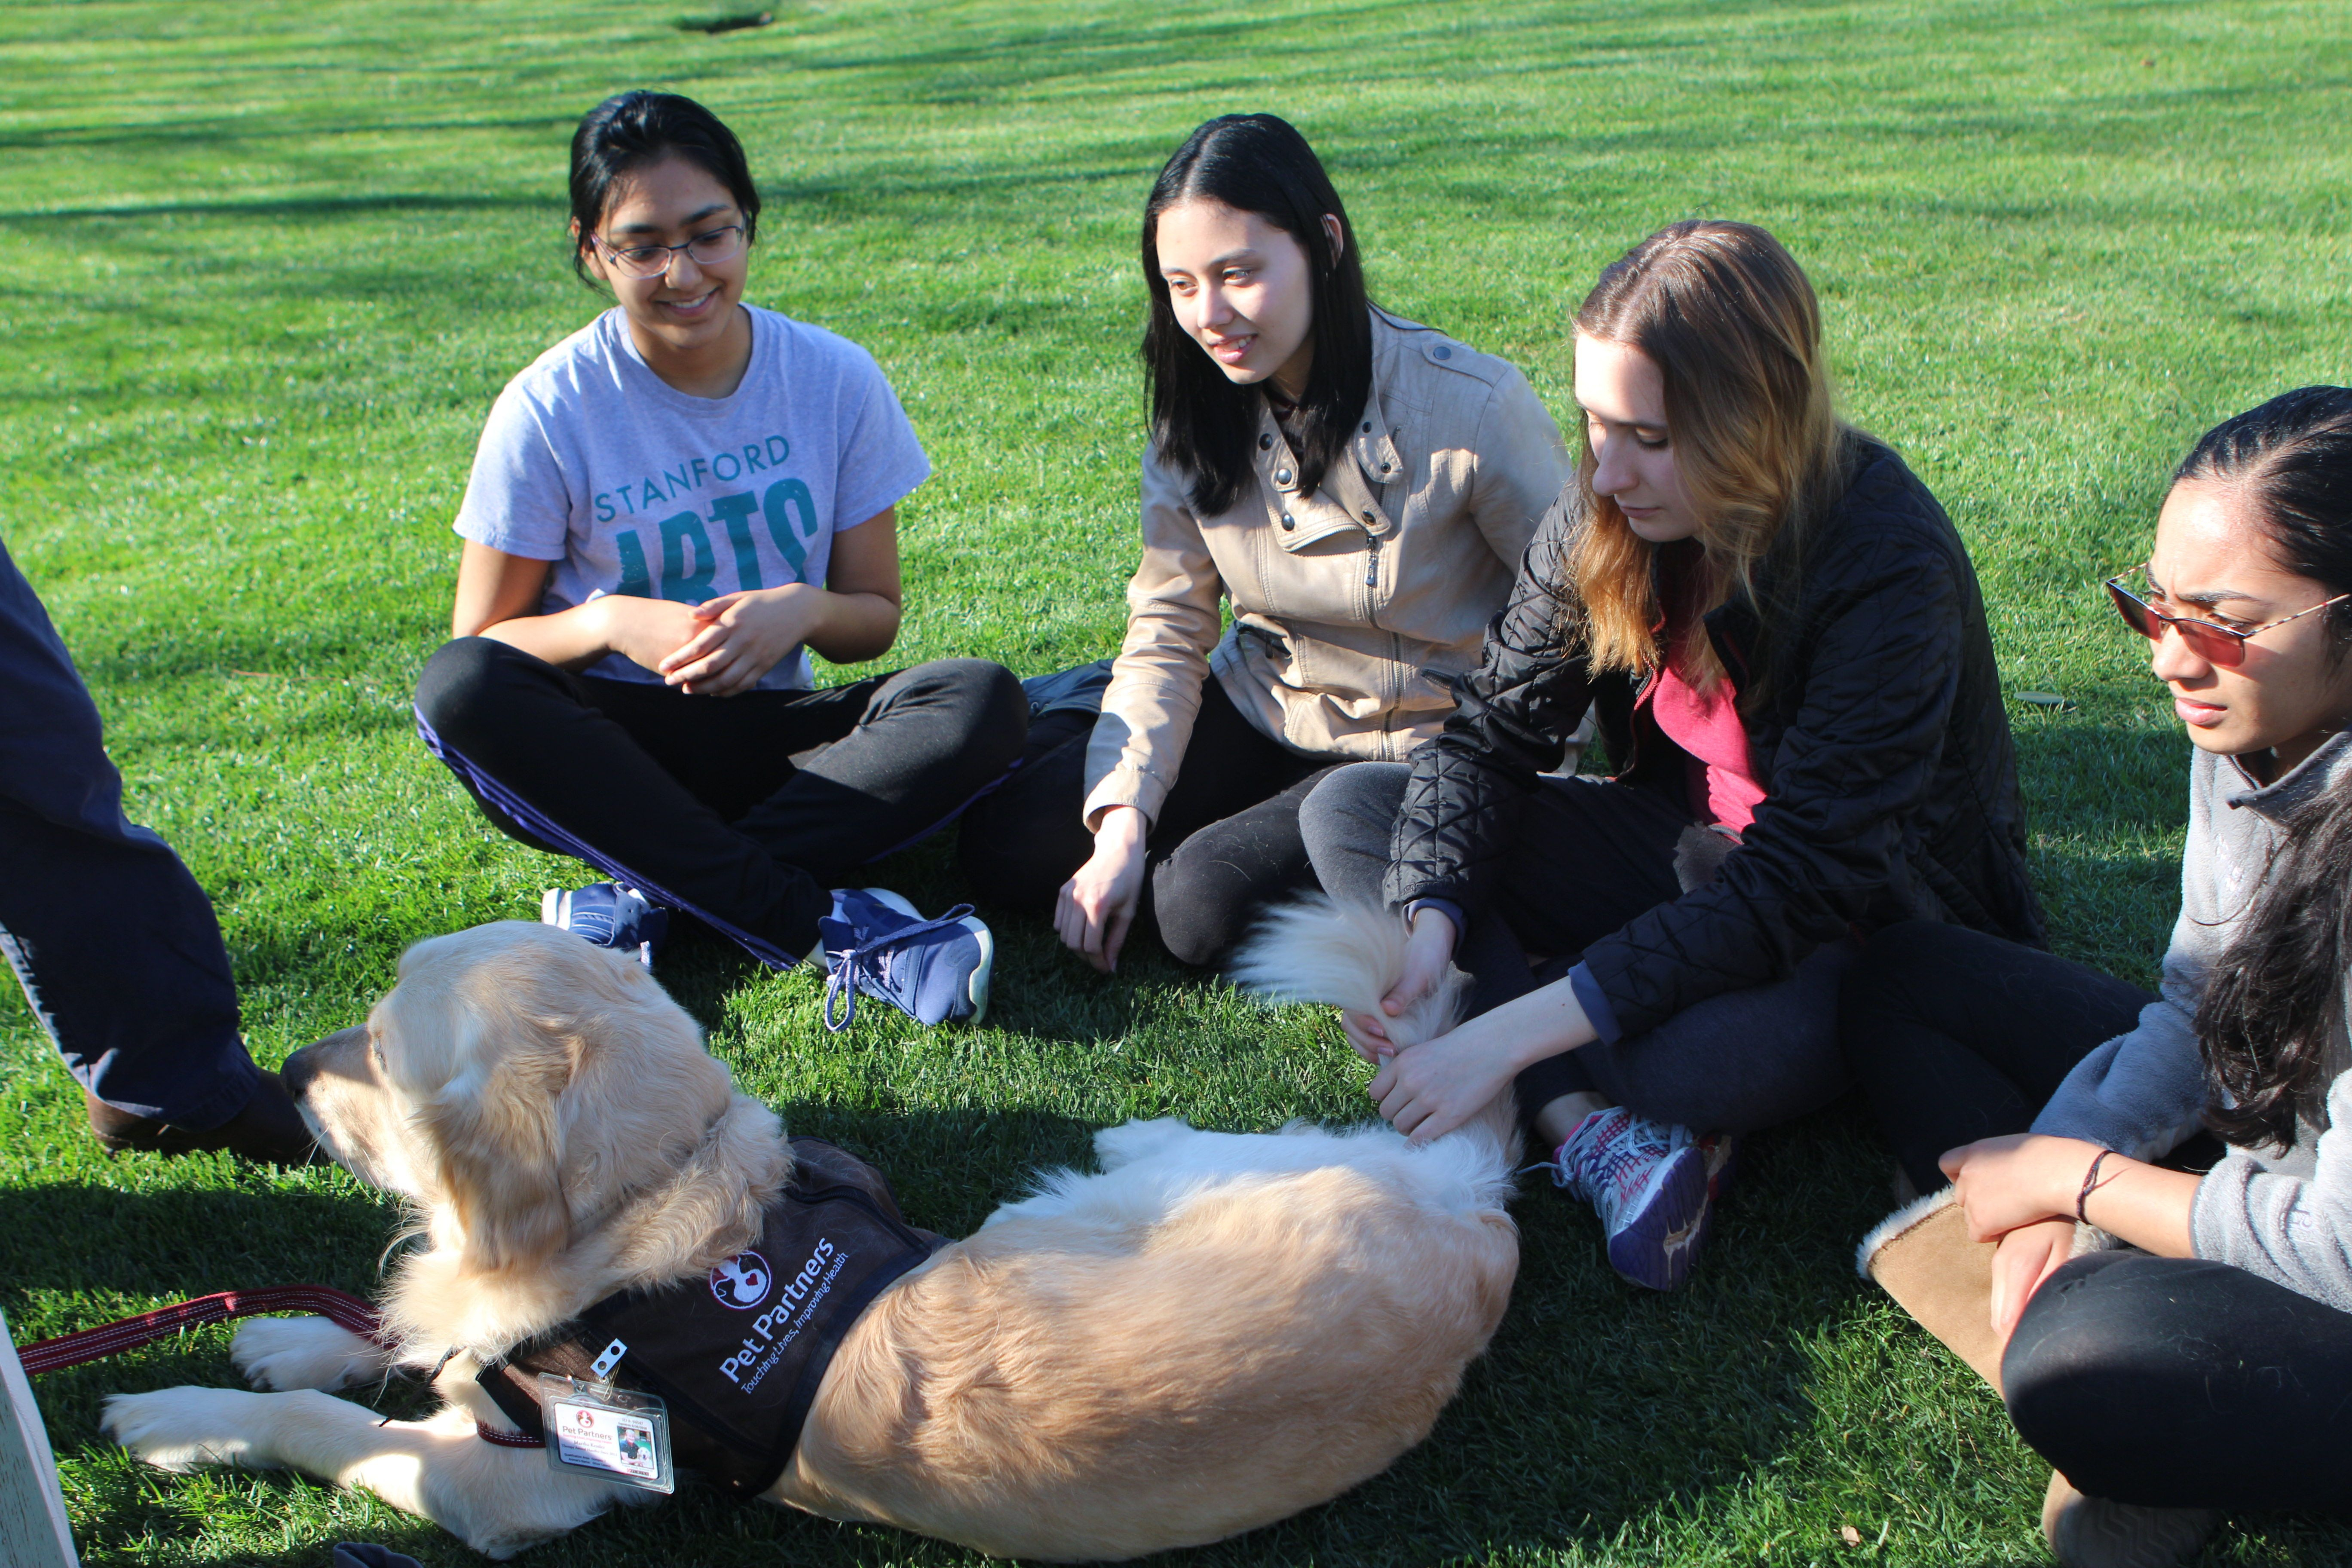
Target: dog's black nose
297 1073
303 1065
300 1069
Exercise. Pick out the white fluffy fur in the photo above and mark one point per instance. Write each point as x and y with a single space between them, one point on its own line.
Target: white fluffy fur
1346 955
1217 1331
303 1353
1152 1169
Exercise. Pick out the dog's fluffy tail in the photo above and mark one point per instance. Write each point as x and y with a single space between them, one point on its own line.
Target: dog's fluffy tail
1347 955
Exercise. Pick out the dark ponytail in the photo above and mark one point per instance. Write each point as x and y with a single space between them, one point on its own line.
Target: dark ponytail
2277 997
631 130
1201 422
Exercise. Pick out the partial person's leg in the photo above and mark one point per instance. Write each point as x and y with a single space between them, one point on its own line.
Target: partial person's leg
916 748
116 945
1207 891
1586 856
1590 855
1957 1035
1348 823
567 763
1738 1062
1227 838
1021 841
2177 1382
122 961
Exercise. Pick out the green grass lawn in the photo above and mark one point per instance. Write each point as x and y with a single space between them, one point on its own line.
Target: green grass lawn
264 265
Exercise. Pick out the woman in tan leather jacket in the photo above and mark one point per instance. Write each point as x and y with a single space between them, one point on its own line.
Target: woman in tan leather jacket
1358 487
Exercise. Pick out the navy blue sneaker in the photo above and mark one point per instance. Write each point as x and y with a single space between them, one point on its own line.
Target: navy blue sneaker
934 971
609 915
1649 1184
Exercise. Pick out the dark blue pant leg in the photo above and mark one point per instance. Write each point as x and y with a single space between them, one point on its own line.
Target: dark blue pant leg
115 943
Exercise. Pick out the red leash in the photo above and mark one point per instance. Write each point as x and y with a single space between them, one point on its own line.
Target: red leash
347 1311
344 1310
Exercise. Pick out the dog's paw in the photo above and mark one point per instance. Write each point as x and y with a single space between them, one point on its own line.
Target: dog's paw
1133 1140
185 1428
304 1353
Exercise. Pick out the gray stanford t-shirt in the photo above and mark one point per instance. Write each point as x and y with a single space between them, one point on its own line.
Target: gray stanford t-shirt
591 460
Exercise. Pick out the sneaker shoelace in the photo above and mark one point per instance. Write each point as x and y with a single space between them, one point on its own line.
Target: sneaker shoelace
1605 1164
852 966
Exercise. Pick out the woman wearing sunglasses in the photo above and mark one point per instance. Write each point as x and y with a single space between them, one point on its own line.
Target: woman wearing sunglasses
2232 1295
668 511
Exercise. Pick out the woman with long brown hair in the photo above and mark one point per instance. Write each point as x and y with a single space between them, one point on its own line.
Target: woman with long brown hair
1781 639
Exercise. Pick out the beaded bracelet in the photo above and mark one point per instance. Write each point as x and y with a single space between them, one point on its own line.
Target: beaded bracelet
2089 1184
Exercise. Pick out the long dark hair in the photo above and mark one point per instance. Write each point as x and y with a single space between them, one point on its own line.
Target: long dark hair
631 130
1202 422
2277 995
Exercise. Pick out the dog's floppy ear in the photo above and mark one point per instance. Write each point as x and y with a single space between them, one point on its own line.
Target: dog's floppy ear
501 1153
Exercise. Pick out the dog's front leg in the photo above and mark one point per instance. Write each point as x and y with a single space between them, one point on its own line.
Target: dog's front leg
498 1500
305 1352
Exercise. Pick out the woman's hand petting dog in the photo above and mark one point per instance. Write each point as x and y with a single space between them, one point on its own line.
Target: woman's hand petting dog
1427 1090
1428 954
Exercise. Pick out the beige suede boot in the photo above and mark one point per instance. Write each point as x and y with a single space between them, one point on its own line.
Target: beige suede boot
1921 1256
2092 1533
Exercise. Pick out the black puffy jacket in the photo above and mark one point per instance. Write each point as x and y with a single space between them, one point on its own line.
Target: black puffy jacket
1875 721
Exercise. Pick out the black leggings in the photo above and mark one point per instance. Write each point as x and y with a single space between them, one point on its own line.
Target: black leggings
2171 1382
1225 842
1958 1036
2176 1383
741 810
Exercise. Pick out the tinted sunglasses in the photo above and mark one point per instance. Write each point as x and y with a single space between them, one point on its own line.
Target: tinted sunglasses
2214 644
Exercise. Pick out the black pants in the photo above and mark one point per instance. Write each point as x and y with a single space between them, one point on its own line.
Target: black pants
1226 841
740 810
1590 855
1959 1036
2177 1382
114 943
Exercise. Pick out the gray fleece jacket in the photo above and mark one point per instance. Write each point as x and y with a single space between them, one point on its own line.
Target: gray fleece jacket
2285 1216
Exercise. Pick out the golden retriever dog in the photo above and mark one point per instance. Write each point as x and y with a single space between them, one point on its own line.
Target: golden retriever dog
1216 1331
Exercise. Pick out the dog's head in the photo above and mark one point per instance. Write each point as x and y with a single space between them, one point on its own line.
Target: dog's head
516 1082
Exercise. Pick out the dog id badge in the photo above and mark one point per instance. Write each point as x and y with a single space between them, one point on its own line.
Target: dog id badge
614 1434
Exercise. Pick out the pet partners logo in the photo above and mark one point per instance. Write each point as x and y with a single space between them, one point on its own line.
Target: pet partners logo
779 1326
741 1282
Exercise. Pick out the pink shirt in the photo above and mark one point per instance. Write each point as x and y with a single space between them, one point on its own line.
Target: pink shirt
1707 726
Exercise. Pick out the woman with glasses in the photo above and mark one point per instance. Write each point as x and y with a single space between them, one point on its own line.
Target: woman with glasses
668 509
2205 1364
1783 640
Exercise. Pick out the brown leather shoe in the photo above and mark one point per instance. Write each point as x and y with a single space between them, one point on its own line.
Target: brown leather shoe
268 1130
